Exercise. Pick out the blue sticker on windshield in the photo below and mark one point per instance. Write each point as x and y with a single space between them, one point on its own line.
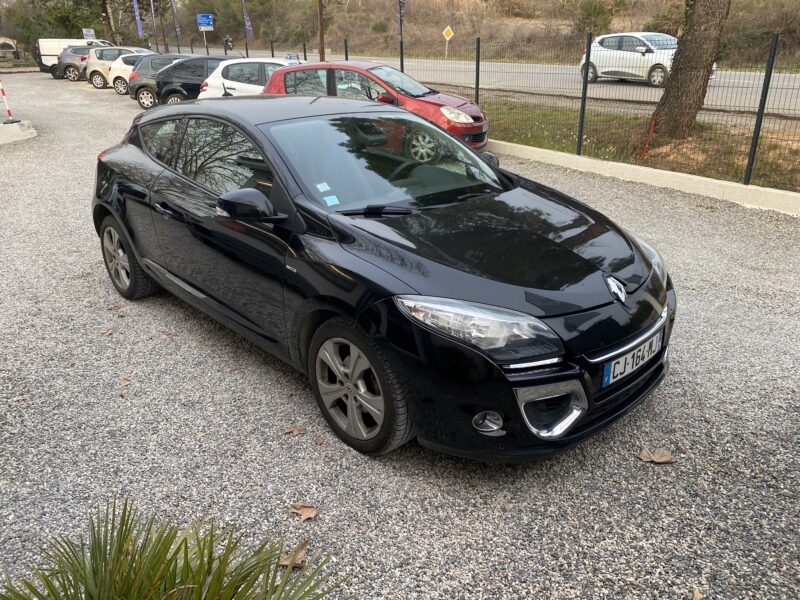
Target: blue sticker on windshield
331 200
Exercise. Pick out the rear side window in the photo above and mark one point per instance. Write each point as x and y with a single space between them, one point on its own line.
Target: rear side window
159 63
213 63
243 73
612 43
80 51
161 139
309 82
221 158
630 43
130 60
190 69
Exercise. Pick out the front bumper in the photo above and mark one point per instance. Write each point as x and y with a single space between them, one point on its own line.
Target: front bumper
474 135
450 383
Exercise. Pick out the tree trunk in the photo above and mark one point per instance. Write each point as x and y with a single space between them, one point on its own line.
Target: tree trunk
691 67
108 20
321 30
163 31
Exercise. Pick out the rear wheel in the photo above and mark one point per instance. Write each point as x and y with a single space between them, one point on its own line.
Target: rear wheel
174 99
592 76
657 76
358 388
121 86
123 268
146 98
98 80
72 73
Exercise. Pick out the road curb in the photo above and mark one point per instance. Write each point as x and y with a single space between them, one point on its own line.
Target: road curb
751 196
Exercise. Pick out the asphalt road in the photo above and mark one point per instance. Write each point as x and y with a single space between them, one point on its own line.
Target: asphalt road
199 430
730 90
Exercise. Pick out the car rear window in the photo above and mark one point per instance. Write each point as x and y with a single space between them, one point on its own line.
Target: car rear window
307 82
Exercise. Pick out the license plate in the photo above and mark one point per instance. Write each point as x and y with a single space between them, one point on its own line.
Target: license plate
626 364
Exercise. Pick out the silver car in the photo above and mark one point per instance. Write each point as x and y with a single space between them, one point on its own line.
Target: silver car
99 62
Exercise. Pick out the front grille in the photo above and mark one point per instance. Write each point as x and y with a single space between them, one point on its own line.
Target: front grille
476 138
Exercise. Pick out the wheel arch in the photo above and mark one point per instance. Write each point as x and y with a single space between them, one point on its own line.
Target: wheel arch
313 313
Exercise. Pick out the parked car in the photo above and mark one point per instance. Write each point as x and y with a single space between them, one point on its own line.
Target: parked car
182 80
487 314
637 55
380 83
48 49
100 59
119 72
241 77
72 63
142 80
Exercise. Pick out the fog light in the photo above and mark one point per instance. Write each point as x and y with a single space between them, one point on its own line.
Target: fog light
488 423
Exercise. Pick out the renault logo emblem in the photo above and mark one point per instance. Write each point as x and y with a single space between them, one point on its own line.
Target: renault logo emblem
616 288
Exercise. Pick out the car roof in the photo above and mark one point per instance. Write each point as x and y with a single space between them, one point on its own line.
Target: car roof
251 111
636 33
357 64
261 59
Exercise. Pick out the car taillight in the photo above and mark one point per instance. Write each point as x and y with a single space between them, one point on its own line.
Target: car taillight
102 154
204 86
133 75
59 57
83 58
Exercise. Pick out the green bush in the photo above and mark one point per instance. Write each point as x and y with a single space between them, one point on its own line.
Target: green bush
380 26
128 557
594 16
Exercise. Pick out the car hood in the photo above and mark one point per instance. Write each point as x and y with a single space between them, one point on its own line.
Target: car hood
530 249
442 99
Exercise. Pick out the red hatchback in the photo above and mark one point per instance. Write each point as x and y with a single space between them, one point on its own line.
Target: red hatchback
373 81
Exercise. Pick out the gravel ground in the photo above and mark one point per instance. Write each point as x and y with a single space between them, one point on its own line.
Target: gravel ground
199 430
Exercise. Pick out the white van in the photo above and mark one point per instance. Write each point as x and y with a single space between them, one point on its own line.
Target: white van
48 49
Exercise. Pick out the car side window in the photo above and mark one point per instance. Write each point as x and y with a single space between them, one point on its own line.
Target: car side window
307 82
130 60
270 68
192 68
213 63
611 43
630 43
99 54
221 158
355 85
242 73
160 139
159 63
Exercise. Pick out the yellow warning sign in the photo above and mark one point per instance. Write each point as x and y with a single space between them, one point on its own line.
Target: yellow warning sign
448 33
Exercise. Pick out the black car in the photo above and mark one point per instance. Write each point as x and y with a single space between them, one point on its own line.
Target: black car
142 80
182 80
486 314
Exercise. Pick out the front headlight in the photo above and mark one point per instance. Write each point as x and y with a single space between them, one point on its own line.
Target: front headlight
505 335
659 266
455 115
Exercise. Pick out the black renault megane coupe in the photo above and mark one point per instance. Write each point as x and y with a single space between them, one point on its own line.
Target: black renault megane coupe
483 313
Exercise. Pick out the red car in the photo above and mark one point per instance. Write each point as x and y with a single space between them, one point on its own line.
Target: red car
363 80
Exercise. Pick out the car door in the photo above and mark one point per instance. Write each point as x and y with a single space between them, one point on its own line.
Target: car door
308 82
636 64
238 266
355 85
243 79
606 58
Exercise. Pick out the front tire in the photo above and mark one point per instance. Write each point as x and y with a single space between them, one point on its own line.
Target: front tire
174 99
146 98
358 388
592 76
72 73
657 77
124 270
97 80
121 86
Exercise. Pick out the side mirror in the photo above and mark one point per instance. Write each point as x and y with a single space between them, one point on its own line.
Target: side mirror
490 159
386 99
248 204
641 49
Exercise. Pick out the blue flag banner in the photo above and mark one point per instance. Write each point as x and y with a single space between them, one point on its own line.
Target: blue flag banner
248 25
139 28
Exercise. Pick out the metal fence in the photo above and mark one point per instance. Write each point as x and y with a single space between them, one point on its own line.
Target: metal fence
748 128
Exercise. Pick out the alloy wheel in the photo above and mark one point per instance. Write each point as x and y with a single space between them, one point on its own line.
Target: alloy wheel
120 86
98 81
174 99
116 258
657 77
422 147
349 388
146 99
72 74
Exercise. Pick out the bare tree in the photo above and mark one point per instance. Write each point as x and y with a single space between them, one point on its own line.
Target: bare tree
321 8
691 67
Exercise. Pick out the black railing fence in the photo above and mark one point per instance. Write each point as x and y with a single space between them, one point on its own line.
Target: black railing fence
538 94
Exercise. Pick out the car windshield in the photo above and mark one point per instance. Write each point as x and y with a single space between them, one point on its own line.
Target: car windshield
349 162
662 41
401 82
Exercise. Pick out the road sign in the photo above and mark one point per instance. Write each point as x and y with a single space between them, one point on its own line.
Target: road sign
205 22
88 34
448 33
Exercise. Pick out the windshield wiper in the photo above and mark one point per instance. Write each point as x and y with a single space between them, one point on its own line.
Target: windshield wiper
377 210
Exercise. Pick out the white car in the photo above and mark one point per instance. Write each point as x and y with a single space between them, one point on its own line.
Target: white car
120 71
241 76
100 59
639 55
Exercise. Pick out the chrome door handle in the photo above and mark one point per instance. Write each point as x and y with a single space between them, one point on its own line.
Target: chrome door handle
167 213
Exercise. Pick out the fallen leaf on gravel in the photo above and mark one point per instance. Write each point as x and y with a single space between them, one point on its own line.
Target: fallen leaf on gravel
697 595
124 382
114 306
170 334
232 370
294 429
124 395
319 441
106 332
306 511
297 556
21 399
659 456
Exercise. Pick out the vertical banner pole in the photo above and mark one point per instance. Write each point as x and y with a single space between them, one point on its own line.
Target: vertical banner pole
155 29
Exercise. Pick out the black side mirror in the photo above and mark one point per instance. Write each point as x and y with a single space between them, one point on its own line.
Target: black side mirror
248 204
490 159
